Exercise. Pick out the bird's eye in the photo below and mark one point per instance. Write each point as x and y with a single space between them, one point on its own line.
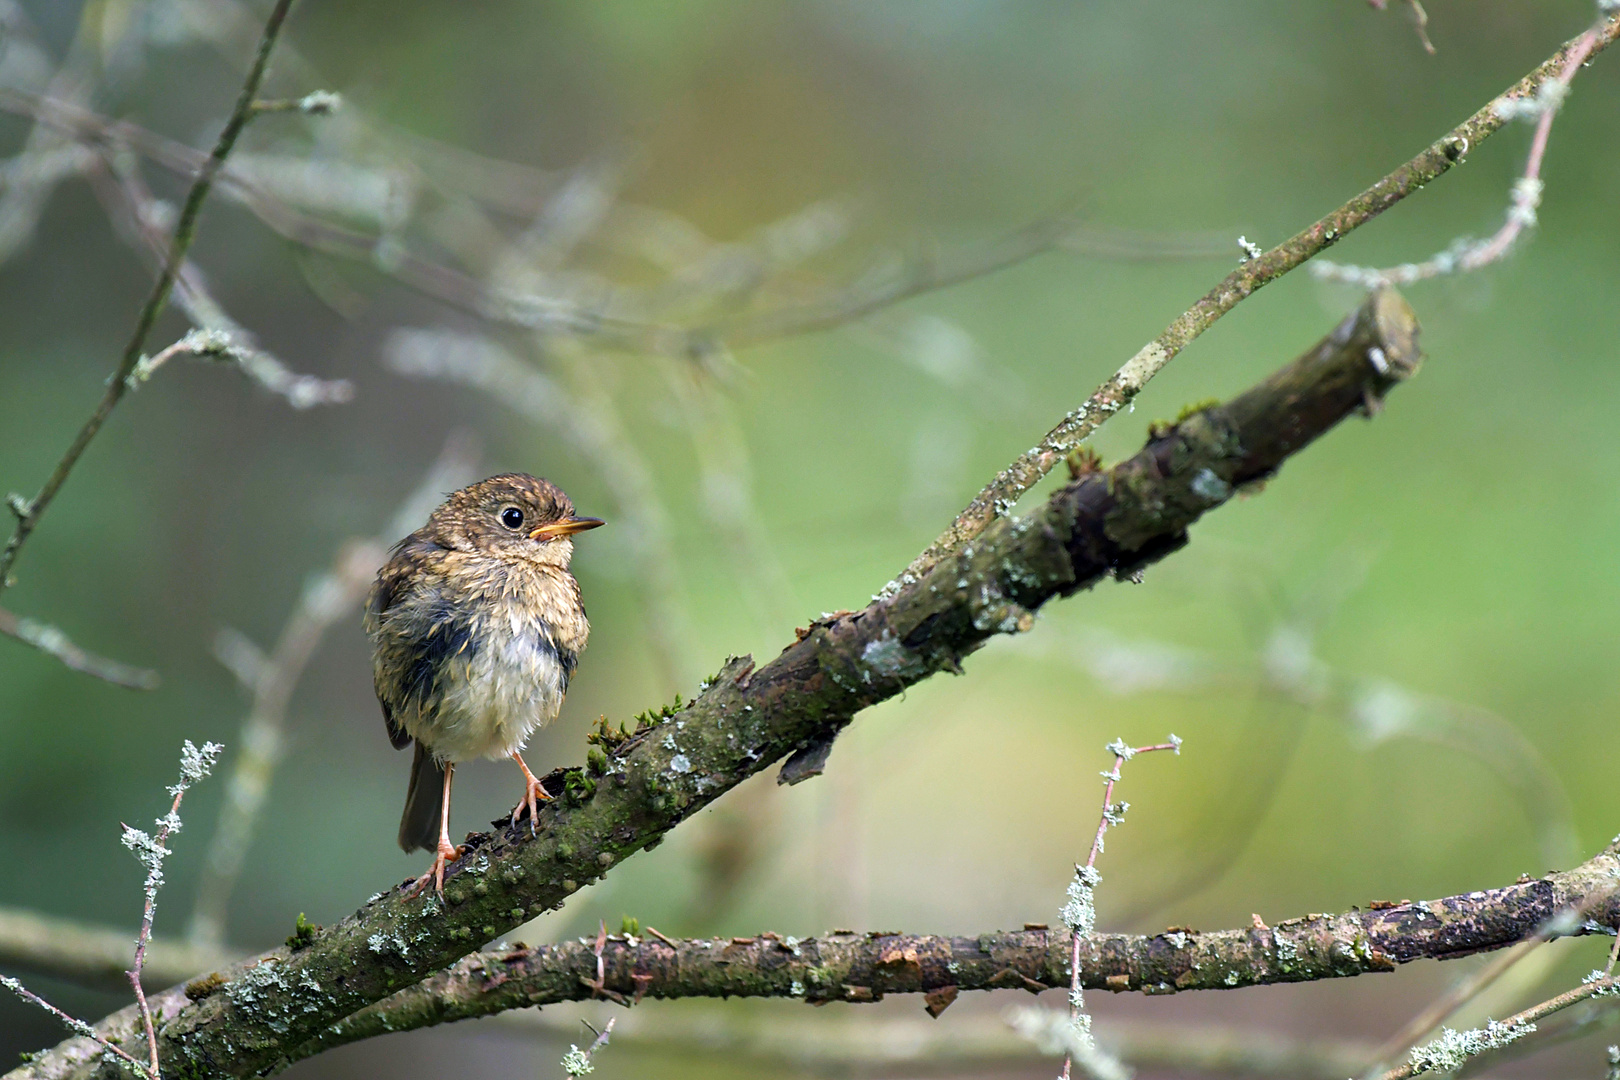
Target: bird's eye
512 518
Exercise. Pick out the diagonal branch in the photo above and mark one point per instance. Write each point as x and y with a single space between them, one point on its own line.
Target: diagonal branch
999 496
28 512
1104 523
53 642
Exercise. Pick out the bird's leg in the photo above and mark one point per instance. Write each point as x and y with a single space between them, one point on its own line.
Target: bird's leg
534 793
447 852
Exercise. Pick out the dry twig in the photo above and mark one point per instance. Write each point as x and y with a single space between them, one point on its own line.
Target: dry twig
29 511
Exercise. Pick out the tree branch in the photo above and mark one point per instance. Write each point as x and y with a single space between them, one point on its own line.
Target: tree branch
642 784
1003 492
96 955
858 968
53 642
28 511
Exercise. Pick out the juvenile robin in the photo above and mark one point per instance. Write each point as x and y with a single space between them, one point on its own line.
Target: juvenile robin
476 625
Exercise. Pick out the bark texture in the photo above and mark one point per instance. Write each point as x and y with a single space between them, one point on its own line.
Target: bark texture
251 1019
864 967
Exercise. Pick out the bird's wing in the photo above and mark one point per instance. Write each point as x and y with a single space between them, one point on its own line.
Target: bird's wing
391 587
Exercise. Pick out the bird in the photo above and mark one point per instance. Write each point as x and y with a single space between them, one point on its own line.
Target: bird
476 625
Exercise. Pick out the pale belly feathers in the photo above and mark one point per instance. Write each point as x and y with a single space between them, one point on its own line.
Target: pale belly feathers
492 698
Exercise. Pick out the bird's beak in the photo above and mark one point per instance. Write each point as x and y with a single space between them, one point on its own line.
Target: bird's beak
565 527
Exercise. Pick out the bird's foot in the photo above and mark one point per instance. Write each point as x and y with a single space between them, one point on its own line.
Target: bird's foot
447 853
534 793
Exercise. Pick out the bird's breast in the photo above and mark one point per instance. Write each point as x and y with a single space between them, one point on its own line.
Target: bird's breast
495 695
491 668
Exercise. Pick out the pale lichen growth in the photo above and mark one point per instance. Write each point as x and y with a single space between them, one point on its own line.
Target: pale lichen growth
320 103
577 1062
1210 487
77 1026
1080 913
1120 750
149 850
1452 1049
1603 985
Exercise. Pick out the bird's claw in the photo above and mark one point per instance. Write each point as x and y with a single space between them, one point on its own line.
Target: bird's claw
446 854
534 793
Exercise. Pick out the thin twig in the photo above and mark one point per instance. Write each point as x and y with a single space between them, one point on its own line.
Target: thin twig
185 230
161 840
151 850
1452 1049
53 642
923 273
1080 914
131 204
1420 21
577 1062
78 1027
1447 1005
999 496
1465 255
315 103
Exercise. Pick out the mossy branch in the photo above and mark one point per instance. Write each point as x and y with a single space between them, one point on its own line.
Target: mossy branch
257 1015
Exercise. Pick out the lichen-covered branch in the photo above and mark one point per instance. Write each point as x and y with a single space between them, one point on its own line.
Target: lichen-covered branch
864 967
1002 492
1448 1053
250 1019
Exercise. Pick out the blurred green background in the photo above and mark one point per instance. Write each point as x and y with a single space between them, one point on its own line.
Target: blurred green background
1461 546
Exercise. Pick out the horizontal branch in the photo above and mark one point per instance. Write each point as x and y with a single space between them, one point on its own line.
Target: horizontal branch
252 1018
95 955
843 966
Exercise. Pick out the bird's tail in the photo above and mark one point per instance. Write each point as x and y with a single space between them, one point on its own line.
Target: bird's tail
419 825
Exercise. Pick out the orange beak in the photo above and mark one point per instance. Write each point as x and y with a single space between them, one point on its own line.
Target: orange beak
565 527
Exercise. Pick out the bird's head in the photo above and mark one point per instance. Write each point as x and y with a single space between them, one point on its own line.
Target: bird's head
513 516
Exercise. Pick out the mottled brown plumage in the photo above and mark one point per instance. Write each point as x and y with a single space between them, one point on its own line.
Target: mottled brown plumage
476 625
